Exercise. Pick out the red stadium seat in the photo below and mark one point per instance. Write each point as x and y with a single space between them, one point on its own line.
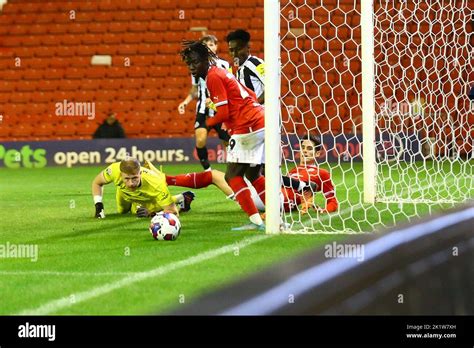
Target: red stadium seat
5 86
133 129
148 94
143 16
143 105
136 71
158 26
75 73
236 23
127 94
180 70
178 25
77 28
65 129
18 30
208 4
26 86
22 131
201 14
117 71
85 130
154 82
4 98
132 83
128 50
96 72
218 24
167 4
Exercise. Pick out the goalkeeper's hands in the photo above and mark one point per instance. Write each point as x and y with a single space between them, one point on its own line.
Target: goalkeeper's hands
305 206
99 210
144 212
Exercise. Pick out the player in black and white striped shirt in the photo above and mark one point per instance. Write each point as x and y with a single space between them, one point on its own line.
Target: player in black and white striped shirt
199 91
251 72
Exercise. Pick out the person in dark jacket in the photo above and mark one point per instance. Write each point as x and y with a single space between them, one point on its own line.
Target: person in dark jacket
110 128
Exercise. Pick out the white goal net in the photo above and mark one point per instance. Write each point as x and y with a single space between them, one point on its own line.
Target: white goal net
422 117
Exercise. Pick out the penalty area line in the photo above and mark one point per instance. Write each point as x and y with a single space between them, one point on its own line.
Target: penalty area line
65 302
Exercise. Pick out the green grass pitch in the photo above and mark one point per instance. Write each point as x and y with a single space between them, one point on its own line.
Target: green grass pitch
113 266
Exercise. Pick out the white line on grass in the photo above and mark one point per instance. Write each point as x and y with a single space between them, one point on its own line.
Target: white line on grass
350 209
65 273
64 302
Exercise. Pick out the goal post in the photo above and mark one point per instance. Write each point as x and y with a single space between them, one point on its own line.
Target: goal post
272 115
368 100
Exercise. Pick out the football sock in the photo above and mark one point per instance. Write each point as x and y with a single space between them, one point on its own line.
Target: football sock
202 155
259 185
293 183
256 219
242 195
192 180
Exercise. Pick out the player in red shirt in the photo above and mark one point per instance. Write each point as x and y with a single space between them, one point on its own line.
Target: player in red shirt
308 172
237 108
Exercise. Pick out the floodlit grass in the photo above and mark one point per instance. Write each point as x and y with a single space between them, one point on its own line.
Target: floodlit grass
91 267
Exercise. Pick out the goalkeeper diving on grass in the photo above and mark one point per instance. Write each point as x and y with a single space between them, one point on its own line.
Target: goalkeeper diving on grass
143 190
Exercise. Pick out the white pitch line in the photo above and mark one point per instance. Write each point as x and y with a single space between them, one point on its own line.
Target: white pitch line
65 273
350 209
64 302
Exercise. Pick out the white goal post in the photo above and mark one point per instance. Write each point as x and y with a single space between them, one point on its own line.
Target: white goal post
272 115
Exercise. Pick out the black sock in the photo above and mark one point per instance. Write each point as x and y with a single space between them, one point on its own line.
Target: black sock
202 154
290 182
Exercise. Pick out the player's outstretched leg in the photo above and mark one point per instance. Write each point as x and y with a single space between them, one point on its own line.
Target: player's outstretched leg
191 180
235 178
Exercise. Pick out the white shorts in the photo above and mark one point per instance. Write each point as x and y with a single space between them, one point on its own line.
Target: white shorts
247 148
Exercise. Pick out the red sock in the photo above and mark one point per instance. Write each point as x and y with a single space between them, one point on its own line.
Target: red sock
192 180
259 185
242 195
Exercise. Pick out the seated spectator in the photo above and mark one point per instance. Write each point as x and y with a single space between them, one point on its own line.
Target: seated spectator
110 128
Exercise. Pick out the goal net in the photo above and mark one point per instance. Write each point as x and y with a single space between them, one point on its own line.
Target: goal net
413 75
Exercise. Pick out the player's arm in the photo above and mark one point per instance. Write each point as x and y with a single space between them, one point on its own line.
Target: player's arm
191 95
327 188
97 193
217 91
260 69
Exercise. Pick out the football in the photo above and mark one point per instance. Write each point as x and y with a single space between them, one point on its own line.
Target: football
165 226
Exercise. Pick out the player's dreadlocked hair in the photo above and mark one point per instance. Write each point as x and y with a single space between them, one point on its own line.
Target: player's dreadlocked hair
200 48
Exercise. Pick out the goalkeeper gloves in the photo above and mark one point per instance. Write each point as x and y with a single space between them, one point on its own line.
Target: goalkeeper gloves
99 210
144 212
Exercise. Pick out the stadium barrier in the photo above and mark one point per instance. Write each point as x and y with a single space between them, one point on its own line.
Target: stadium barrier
71 153
422 268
